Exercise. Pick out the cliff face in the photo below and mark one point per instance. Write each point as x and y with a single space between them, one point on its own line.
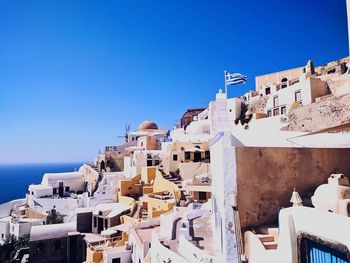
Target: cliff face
323 114
258 105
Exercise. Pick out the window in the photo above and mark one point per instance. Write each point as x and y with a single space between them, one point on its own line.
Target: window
174 157
187 156
283 110
106 223
207 154
269 113
297 96
116 260
95 221
276 112
149 163
2 235
67 188
156 162
275 101
294 81
284 83
268 91
54 190
58 245
202 195
331 71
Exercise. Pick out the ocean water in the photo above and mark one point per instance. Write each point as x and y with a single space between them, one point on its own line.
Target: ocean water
15 178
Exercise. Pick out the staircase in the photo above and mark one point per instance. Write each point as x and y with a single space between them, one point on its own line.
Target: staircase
268 241
137 211
174 180
143 214
93 166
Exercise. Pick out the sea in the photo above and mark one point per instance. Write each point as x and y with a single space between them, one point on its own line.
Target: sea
15 178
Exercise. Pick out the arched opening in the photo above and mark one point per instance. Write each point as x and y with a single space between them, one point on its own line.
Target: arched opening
110 164
102 166
284 83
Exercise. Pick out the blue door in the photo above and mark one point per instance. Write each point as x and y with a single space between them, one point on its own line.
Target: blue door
320 253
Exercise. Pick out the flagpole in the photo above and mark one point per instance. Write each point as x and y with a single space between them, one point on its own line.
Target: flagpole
225 72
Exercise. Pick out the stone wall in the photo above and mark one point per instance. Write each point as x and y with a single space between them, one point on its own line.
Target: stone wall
323 114
266 178
258 105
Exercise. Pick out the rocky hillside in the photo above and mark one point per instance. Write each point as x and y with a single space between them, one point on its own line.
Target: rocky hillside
326 113
258 105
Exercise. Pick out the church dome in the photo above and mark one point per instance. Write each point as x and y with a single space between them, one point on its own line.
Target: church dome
148 125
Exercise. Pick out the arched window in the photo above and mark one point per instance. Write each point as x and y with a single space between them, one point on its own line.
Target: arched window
284 83
102 166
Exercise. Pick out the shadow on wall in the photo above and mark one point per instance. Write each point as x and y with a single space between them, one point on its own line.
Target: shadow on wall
266 178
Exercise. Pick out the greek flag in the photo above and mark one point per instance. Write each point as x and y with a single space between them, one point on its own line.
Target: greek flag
234 78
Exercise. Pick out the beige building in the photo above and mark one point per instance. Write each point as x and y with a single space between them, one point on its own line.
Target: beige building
187 158
290 89
147 137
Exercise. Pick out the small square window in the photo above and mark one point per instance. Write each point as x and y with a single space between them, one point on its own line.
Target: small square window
187 156
174 157
269 113
276 112
202 196
268 91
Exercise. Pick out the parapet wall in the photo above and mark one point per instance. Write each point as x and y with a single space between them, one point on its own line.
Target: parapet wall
266 178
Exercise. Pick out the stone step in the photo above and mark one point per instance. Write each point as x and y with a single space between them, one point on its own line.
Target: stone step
270 245
266 238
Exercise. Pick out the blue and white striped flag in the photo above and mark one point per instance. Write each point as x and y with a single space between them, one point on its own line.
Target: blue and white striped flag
234 78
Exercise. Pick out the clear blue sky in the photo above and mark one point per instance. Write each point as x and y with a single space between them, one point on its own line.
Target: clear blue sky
72 73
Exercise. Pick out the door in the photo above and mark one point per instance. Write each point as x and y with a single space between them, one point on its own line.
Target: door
317 252
60 189
197 156
100 225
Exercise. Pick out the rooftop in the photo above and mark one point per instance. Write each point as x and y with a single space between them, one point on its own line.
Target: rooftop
111 209
148 125
145 234
51 231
